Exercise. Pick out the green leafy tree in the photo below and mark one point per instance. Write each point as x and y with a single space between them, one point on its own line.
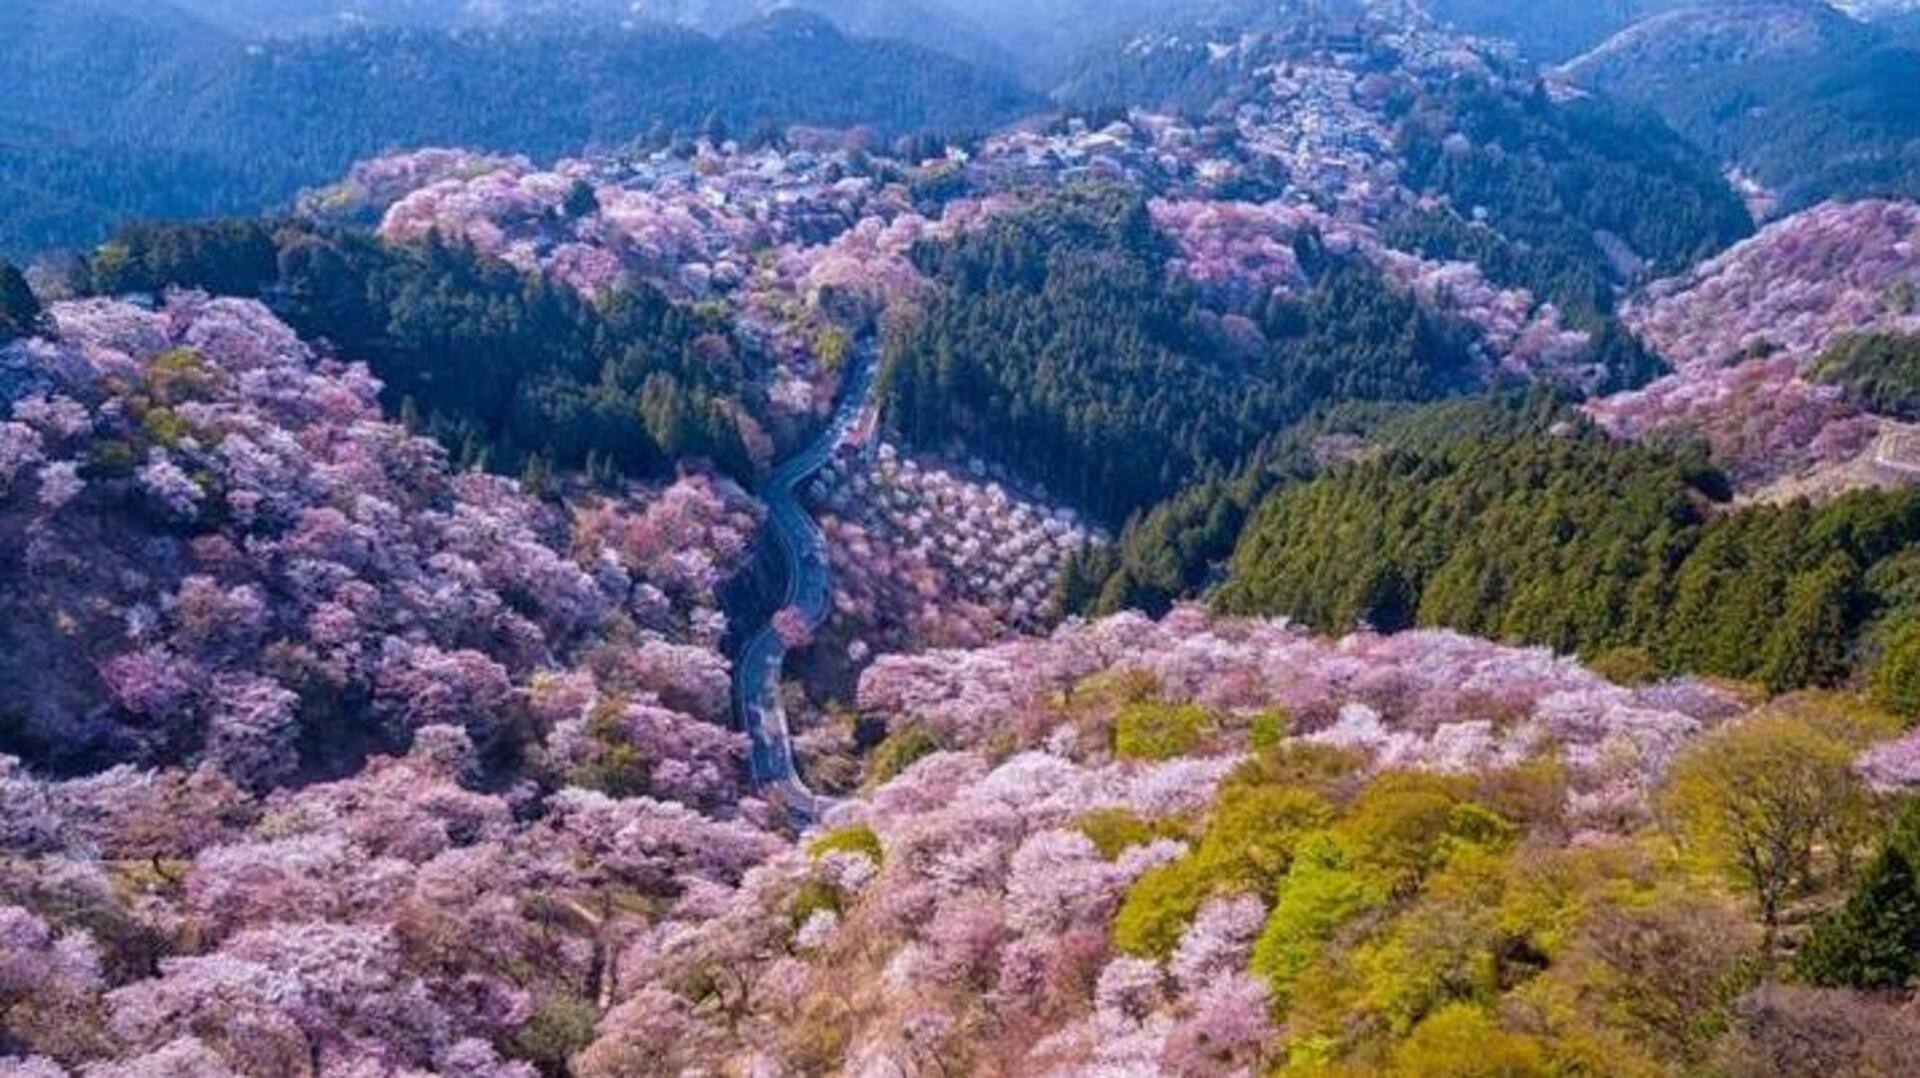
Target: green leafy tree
1159 731
1757 798
613 765
1895 678
1115 830
1810 643
902 748
1322 892
1463 1041
581 201
1881 370
1248 848
858 838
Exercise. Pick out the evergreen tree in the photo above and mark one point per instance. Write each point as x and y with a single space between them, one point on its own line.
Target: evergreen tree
581 201
541 371
20 313
1587 546
1874 940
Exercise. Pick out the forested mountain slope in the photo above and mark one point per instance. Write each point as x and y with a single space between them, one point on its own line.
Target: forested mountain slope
1057 340
1588 547
1454 177
1787 367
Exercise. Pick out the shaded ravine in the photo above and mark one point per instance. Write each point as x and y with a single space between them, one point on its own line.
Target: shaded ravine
808 589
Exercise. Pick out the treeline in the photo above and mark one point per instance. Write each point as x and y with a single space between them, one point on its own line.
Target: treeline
1056 342
508 369
1178 75
114 110
1179 548
1553 179
1620 553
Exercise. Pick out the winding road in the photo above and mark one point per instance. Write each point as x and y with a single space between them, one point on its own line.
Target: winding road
803 554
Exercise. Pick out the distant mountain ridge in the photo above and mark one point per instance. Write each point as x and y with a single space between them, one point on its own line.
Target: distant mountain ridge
1878 9
241 125
1676 45
1811 102
1548 31
924 22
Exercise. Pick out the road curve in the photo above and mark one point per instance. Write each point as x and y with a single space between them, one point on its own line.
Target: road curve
808 589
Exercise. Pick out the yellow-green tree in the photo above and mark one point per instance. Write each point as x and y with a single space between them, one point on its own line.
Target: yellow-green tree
1896 675
1158 731
1756 799
1248 847
1321 893
1463 1041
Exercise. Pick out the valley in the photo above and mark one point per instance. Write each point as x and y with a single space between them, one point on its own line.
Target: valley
926 538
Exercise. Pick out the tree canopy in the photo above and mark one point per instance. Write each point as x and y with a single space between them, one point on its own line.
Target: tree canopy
1057 342
1587 546
501 365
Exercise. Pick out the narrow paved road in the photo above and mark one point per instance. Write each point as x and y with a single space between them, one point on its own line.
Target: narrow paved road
808 589
1898 450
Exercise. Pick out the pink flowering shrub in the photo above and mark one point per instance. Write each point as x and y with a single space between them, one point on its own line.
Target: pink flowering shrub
1893 766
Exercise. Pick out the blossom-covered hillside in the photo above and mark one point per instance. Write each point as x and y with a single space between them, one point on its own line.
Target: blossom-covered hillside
1425 700
1794 288
1074 873
807 248
217 552
331 755
931 556
1294 564
1743 329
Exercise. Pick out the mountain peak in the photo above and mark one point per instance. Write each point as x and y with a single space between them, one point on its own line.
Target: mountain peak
788 25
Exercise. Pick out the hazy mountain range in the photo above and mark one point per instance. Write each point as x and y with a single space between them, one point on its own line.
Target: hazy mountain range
119 108
1809 101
